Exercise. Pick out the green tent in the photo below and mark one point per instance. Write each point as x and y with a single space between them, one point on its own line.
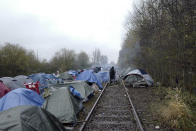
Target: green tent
29 118
82 87
62 104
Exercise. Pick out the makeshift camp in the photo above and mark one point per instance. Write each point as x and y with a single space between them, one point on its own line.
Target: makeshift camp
82 87
139 75
3 89
10 83
29 118
103 76
62 104
20 96
89 76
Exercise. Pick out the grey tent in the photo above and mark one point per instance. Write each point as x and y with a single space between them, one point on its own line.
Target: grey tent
148 79
66 76
21 79
29 118
10 83
82 87
62 104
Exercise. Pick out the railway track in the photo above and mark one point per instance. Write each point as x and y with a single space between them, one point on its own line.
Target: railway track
113 110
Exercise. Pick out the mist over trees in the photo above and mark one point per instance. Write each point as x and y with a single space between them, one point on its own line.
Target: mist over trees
16 60
161 38
98 59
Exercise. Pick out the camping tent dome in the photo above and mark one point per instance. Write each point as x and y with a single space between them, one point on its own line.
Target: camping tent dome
29 118
20 96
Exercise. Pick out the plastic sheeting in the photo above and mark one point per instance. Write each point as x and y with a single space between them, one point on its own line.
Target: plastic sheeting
63 104
29 118
103 76
89 76
82 87
20 96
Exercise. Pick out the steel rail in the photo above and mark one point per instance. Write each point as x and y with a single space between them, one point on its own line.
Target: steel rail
133 108
92 109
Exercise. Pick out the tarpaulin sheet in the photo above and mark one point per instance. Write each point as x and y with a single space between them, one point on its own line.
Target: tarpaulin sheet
29 118
89 76
103 76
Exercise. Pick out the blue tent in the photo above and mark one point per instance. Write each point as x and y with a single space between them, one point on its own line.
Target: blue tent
89 76
43 79
20 96
43 83
103 76
73 72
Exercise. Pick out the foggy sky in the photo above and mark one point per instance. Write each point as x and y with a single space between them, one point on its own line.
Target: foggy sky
46 26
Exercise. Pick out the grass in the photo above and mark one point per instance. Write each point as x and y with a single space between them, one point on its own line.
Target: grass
175 108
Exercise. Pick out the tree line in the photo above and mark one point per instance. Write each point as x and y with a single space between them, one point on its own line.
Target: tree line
161 38
16 60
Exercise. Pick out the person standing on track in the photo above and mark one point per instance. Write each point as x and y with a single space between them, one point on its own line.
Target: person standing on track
112 75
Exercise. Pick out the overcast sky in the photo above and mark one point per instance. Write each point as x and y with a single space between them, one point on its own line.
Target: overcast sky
46 26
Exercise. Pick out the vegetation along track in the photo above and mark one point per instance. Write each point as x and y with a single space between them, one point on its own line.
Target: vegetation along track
113 111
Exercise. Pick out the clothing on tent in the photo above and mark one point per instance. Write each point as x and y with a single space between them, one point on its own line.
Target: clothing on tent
20 96
29 118
33 86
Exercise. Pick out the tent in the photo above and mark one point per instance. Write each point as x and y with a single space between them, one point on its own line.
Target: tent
43 82
89 76
66 76
142 73
20 96
62 104
3 89
21 79
29 118
103 76
10 83
82 87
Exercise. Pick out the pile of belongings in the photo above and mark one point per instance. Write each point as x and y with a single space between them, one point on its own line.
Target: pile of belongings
138 78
